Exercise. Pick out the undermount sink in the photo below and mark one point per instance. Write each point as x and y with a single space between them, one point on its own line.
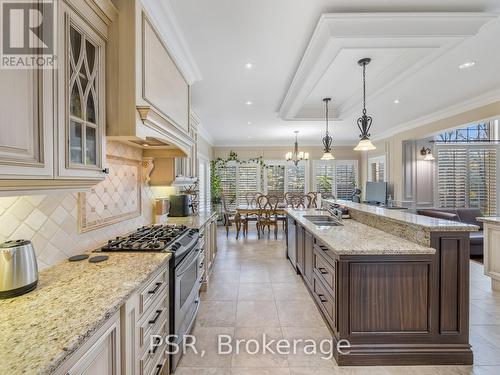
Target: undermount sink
322 220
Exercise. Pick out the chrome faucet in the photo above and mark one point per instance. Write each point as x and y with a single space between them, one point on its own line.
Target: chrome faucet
335 212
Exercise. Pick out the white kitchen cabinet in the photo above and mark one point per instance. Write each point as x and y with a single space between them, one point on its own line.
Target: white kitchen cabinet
53 121
145 316
27 124
100 355
491 253
81 95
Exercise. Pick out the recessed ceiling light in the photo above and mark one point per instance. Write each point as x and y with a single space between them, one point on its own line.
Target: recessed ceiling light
249 65
249 102
145 144
396 101
249 123
467 65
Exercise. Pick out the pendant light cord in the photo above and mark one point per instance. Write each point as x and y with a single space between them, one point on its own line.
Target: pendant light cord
364 89
326 104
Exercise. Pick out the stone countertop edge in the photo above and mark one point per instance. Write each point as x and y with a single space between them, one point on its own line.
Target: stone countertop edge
59 315
355 238
193 221
489 219
427 223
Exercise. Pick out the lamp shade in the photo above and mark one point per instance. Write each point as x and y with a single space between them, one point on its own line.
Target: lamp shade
364 145
327 156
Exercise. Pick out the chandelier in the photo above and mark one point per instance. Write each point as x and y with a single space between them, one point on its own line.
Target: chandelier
296 156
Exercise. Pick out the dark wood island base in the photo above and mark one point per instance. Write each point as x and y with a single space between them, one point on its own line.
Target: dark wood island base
392 309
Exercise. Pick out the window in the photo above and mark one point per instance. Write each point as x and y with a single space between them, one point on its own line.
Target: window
467 177
296 178
282 177
275 179
203 183
237 180
337 178
376 169
472 133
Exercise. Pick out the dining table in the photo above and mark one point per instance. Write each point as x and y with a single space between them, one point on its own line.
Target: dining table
247 210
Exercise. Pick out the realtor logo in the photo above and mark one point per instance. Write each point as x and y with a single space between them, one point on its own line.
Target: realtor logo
28 34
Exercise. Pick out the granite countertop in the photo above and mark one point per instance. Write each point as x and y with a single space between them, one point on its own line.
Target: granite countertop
401 216
489 219
193 221
41 329
354 238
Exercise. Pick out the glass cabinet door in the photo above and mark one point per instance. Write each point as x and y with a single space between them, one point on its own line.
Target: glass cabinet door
83 122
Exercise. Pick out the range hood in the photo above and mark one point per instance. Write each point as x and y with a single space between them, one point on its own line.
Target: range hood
148 98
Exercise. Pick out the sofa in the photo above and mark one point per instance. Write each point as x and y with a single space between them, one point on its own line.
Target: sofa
464 215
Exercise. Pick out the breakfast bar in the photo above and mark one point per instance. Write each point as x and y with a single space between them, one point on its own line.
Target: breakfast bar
393 287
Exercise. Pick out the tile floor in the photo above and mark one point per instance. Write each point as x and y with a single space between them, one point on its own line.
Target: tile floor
255 291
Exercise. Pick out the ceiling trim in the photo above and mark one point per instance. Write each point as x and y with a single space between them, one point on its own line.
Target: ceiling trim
336 31
163 18
289 144
455 109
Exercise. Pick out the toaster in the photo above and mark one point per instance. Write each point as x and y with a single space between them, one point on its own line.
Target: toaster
18 268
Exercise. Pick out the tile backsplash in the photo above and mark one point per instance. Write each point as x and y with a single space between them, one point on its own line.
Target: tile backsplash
50 221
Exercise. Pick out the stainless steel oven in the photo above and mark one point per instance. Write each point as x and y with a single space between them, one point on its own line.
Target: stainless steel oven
186 301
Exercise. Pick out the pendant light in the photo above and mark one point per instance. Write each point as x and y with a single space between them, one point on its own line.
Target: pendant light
364 122
296 156
327 140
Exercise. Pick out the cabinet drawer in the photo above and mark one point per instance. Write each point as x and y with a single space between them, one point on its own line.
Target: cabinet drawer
153 292
325 300
152 356
324 270
153 323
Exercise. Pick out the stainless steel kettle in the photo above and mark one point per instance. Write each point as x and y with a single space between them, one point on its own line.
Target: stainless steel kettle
18 268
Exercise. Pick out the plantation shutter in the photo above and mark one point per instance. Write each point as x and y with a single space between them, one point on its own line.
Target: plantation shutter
483 180
275 181
346 178
202 185
248 181
228 184
296 181
467 178
324 176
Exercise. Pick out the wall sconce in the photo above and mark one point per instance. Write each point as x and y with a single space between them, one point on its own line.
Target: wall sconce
427 154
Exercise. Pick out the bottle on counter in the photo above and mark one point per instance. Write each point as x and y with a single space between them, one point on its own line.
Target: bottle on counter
390 201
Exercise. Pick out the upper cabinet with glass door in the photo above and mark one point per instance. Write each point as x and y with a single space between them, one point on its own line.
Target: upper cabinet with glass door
82 98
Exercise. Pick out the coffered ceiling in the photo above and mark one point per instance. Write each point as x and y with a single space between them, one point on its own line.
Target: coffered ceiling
301 51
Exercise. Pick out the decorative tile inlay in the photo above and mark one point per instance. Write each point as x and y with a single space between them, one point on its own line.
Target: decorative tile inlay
115 199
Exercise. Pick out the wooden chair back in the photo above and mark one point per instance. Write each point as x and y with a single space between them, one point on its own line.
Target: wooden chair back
312 199
295 200
267 205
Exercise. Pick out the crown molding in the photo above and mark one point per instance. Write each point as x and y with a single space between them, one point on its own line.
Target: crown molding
206 135
256 144
456 109
163 18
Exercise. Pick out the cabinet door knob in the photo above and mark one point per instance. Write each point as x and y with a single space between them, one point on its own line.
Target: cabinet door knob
105 171
322 298
323 270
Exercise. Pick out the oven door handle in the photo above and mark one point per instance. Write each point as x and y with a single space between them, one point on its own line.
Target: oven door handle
183 268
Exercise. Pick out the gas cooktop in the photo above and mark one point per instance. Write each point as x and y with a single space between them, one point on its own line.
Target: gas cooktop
150 238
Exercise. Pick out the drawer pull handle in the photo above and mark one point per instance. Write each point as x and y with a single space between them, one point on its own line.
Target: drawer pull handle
158 369
322 298
153 351
157 315
155 289
202 264
323 270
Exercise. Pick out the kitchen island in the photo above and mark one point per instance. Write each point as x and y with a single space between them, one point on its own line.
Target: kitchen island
394 290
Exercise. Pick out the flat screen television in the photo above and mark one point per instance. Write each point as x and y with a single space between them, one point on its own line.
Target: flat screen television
376 192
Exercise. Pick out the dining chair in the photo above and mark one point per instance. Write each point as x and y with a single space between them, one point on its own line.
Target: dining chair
230 217
312 199
295 200
251 199
267 216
